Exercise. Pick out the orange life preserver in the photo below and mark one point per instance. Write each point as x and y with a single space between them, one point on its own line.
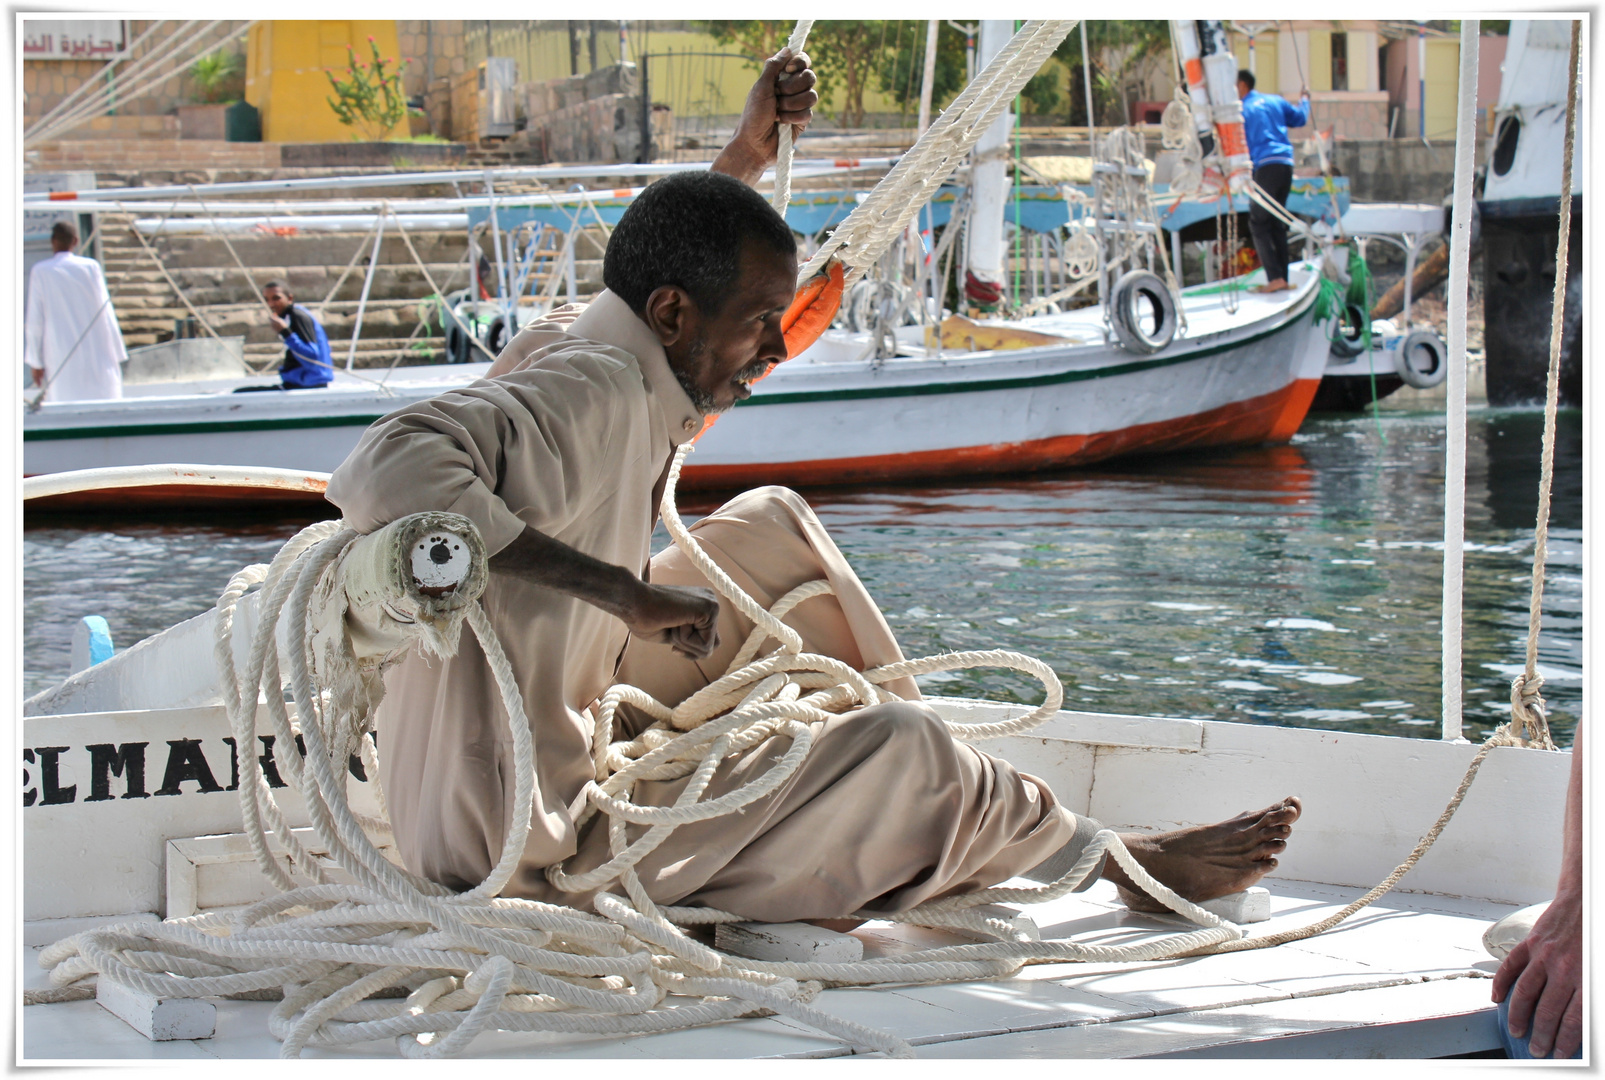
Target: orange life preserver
813 308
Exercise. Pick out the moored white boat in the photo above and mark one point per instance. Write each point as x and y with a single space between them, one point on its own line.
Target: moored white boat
835 414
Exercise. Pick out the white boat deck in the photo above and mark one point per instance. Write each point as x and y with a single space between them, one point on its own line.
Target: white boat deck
1406 978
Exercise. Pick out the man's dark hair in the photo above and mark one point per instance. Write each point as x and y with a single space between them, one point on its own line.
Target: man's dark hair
279 285
64 233
1245 76
688 230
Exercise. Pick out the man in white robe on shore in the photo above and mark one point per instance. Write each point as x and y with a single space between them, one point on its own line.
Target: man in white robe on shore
70 338
559 458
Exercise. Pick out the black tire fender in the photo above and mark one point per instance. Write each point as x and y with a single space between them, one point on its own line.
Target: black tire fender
1342 344
1422 359
1123 313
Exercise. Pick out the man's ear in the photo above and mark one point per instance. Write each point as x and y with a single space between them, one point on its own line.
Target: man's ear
671 314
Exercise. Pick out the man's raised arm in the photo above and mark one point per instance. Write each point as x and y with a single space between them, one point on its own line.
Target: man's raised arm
784 93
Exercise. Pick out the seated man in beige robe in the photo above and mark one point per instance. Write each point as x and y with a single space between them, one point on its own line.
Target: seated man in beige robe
559 458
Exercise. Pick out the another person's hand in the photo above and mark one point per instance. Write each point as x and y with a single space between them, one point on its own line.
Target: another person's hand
783 94
684 617
38 376
279 324
1546 972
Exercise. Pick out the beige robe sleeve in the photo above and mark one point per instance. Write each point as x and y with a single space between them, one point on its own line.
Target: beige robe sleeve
543 433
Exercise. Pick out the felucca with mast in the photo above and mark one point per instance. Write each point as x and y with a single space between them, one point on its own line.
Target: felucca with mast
104 845
895 392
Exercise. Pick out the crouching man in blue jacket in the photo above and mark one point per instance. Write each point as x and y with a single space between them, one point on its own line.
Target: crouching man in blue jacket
1266 119
307 360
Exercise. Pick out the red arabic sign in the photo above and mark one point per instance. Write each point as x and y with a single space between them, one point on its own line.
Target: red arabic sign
72 39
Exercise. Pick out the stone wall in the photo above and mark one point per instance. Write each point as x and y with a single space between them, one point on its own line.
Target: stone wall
436 49
1399 170
171 152
1349 114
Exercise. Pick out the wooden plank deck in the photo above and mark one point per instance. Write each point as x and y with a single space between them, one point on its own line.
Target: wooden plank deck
1406 977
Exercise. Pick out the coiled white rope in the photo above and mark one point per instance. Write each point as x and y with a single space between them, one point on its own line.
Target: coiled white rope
472 961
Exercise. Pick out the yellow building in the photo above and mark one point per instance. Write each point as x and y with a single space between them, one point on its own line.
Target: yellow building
284 74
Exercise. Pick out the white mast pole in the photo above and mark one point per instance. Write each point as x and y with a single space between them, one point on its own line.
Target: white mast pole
989 177
1454 469
929 80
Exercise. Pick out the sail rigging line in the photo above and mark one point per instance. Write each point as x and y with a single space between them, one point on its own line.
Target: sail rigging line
91 84
356 257
472 338
1526 703
860 240
785 133
250 281
104 99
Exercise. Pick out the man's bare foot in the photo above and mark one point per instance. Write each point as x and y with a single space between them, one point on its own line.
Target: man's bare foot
1207 861
1279 285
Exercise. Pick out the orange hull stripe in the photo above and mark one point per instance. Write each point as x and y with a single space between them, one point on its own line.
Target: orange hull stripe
1272 417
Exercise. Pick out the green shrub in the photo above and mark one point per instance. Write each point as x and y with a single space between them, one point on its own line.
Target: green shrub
370 99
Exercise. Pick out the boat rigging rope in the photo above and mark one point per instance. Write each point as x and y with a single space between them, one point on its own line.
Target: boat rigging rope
1526 703
785 132
473 338
862 238
475 960
472 961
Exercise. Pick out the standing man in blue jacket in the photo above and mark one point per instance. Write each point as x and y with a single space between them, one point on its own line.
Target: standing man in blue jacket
308 362
1266 119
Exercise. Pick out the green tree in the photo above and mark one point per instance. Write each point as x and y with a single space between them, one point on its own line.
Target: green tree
901 76
845 52
759 39
1116 46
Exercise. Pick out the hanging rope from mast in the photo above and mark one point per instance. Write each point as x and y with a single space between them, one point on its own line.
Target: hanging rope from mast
1526 703
857 244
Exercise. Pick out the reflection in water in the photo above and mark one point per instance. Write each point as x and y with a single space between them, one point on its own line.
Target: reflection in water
1293 585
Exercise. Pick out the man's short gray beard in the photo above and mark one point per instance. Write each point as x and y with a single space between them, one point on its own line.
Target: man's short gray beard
699 397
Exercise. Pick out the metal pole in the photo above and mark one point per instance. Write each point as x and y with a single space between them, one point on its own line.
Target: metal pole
1421 81
367 283
624 42
1252 68
1086 77
592 27
42 200
496 245
929 79
573 48
646 113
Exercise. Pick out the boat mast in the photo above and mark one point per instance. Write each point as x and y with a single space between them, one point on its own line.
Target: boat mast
989 178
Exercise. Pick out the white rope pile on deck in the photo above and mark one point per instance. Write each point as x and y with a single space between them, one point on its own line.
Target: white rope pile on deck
471 961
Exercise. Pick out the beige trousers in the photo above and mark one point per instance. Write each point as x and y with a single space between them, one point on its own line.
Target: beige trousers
887 810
